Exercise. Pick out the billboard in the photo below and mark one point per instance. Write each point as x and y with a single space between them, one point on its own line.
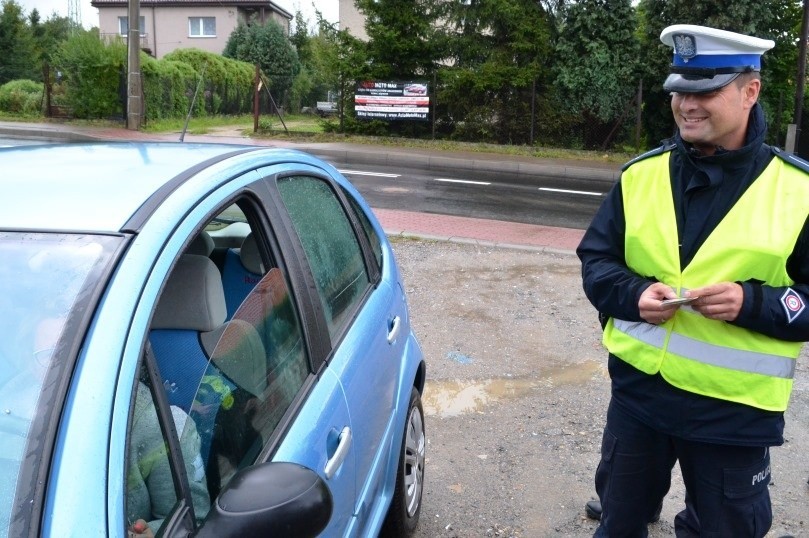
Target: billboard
378 100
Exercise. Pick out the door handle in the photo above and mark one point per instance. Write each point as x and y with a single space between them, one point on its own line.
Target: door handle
340 454
394 326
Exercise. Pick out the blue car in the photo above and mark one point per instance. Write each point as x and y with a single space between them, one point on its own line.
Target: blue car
201 340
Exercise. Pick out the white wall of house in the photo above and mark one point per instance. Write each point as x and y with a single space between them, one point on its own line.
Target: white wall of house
169 29
352 20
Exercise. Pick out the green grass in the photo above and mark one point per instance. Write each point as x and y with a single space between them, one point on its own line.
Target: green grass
198 125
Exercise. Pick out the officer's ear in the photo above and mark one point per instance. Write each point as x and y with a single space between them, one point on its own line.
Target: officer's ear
750 90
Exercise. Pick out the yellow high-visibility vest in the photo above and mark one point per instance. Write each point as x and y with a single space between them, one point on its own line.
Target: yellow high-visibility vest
752 242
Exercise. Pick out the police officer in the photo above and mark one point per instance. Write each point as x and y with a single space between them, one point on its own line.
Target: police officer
717 219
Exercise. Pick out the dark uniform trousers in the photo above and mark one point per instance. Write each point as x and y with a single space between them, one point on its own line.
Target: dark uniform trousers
726 485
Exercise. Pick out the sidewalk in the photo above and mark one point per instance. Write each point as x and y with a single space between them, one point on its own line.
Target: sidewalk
403 223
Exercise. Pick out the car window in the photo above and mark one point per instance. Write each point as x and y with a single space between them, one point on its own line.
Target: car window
45 279
228 344
150 488
331 247
370 233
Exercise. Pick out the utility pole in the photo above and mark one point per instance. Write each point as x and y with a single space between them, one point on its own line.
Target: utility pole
794 131
134 102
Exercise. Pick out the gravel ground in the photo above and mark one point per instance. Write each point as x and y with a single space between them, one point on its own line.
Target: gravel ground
516 396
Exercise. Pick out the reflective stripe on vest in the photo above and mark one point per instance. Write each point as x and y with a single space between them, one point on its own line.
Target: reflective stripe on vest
752 242
734 359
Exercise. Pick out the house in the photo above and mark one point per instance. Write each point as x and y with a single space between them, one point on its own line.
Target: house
352 19
166 25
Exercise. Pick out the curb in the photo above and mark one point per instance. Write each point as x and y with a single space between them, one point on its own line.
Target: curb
403 234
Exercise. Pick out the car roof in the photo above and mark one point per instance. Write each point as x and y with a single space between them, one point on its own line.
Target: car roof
99 187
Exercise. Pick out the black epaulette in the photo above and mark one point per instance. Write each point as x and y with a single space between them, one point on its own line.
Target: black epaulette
794 160
667 146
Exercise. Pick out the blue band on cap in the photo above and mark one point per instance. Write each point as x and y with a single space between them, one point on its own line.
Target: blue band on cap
719 60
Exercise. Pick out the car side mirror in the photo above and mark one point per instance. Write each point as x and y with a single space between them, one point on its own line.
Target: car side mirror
270 499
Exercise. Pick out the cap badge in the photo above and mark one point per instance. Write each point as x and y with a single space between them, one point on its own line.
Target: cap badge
685 46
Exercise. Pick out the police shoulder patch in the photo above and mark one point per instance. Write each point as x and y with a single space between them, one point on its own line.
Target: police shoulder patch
793 304
794 160
667 146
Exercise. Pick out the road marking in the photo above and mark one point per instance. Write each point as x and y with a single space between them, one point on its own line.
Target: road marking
571 192
468 182
361 173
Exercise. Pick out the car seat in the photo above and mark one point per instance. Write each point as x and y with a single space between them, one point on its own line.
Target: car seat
203 360
202 244
242 270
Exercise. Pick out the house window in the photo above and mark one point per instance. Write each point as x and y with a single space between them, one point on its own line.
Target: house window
123 26
202 26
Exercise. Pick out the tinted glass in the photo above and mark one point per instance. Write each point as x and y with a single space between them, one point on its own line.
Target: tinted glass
331 247
373 238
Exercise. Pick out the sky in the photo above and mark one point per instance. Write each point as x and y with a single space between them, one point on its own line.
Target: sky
89 14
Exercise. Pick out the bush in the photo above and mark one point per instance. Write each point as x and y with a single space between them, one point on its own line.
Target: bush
21 97
93 74
227 83
94 78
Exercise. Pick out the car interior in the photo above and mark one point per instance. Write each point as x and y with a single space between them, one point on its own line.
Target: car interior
228 345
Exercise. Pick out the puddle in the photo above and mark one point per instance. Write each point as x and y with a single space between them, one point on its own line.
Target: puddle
451 398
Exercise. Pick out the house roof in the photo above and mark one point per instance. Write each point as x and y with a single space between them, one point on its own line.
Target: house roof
196 3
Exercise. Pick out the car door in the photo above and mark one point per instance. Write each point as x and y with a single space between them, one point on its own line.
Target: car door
252 390
362 322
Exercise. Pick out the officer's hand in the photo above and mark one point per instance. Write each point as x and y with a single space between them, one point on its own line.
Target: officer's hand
649 304
721 301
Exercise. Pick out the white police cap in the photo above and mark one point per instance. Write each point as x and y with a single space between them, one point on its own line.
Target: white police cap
706 59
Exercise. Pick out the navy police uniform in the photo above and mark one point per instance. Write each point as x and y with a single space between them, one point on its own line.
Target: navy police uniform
722 446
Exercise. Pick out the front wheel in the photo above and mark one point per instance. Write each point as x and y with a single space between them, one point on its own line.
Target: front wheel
403 514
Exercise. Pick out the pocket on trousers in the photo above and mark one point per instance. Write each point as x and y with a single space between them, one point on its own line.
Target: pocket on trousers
608 442
748 510
749 481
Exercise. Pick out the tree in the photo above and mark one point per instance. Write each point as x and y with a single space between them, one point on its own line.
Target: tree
403 40
49 35
596 64
16 36
342 60
268 46
499 50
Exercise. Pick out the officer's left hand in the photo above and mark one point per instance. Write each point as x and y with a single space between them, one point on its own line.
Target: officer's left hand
722 301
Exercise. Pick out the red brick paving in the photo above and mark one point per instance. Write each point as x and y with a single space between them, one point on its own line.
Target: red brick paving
495 232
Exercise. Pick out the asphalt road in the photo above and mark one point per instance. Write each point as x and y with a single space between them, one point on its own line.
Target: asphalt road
8 142
547 201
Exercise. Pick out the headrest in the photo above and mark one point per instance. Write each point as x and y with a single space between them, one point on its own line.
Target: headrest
193 298
202 244
706 59
250 256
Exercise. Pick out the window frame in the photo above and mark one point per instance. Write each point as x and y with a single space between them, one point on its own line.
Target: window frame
371 267
199 23
141 30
